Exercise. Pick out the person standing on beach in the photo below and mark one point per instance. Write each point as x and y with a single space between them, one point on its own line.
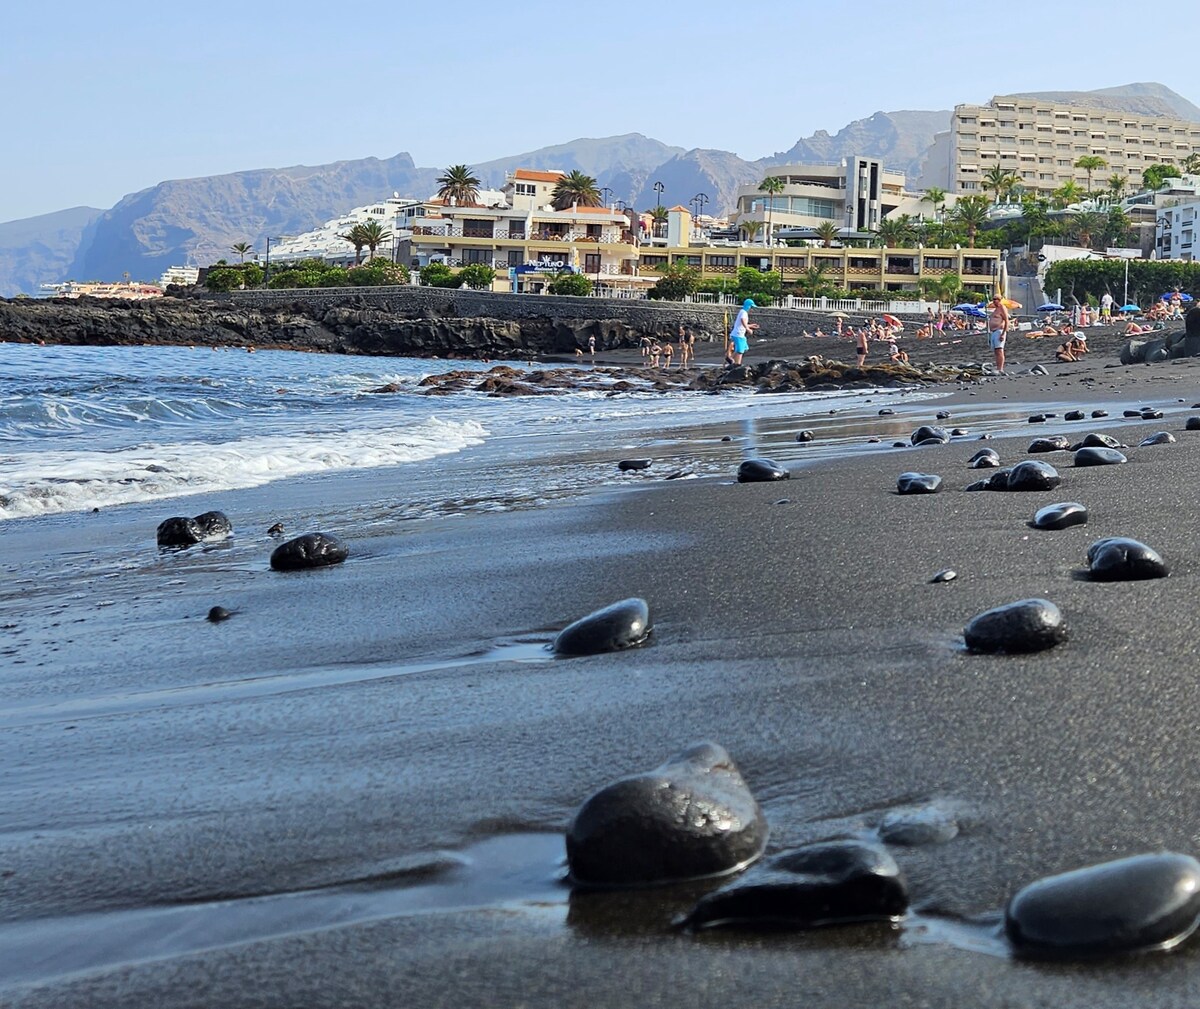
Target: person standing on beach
1106 304
592 346
860 346
739 336
687 347
998 327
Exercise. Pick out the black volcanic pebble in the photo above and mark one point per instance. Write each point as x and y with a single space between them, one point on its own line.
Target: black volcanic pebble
1132 413
997 481
805 436
919 825
1074 415
1093 456
1152 414
276 529
1060 516
1119 559
900 444
727 438
925 433
943 576
1099 413
886 412
1116 907
628 464
959 432
217 614
178 532
1030 625
214 525
1054 443
872 441
1159 438
313 550
1038 418
985 437
1096 440
918 483
761 471
831 883
692 817
943 415
1193 424
624 624
1033 475
985 458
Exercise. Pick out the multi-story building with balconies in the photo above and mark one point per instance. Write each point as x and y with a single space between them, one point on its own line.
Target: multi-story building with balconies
1040 141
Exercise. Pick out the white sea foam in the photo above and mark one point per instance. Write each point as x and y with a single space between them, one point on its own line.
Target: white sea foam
44 482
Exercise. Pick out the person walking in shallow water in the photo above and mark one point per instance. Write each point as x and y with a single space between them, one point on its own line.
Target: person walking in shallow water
739 336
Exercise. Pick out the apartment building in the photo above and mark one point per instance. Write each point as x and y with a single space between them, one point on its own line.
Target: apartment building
1040 141
855 194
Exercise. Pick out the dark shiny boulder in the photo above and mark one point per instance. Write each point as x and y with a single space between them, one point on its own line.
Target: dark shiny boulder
1158 438
805 436
1119 559
625 465
1054 443
1032 475
925 433
624 624
690 818
1193 424
1074 415
761 471
1030 625
985 458
832 883
918 483
214 525
313 550
1139 903
1099 413
1096 440
1060 516
997 481
178 532
1092 456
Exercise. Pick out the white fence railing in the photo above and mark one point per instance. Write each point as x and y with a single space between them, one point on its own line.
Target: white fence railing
858 306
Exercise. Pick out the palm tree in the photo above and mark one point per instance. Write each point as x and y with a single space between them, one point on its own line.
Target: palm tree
575 188
937 197
1090 163
826 231
459 184
895 231
1116 226
1000 180
1086 226
971 213
659 215
772 185
373 236
1117 184
751 228
1068 193
241 248
813 280
356 237
1191 164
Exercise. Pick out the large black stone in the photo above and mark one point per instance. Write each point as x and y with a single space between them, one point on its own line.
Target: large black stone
1119 559
761 471
805 436
926 433
832 883
1060 516
1030 625
1093 456
1099 413
1054 443
1193 424
313 550
918 825
1074 415
985 458
997 481
918 483
1158 438
634 464
692 817
1033 475
214 525
621 625
1143 902
178 532
1096 440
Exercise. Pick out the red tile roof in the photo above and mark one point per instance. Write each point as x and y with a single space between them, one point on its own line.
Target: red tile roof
529 175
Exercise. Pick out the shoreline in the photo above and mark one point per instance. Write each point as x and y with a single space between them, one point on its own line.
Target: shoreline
801 635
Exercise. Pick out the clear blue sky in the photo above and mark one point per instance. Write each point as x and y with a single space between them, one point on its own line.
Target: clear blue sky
106 100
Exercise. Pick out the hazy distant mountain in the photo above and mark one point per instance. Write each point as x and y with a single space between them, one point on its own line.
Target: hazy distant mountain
40 250
198 220
1147 99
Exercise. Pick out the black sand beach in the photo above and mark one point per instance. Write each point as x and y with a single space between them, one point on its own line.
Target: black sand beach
353 792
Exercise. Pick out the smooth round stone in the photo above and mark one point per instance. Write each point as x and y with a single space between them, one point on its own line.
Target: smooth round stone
690 818
727 438
959 432
930 442
1038 418
1060 516
1099 413
1074 415
1159 438
633 464
872 441
943 415
1138 903
1038 369
900 444
985 458
313 550
1093 456
918 483
805 436
831 883
276 529
179 531
1132 413
917 826
1030 625
214 525
761 471
1152 415
217 614
1096 440
997 481
943 576
985 437
1033 475
931 434
1119 559
624 624
1055 443
887 412
1193 424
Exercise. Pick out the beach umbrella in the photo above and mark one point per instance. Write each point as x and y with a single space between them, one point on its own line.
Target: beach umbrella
1131 308
1182 297
839 315
1050 306
1009 303
962 308
891 320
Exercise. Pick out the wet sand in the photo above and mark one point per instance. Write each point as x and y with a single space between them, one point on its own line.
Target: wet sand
354 791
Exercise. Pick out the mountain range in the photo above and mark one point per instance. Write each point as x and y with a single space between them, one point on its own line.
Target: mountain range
197 220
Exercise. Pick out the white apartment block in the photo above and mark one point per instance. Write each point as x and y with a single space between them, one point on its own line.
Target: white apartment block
1040 141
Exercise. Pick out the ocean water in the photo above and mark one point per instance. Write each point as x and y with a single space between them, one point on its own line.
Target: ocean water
83 428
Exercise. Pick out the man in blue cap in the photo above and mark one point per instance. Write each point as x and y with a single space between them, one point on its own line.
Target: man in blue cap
742 328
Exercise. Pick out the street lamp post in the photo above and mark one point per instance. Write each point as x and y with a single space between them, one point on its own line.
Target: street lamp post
698 201
658 189
606 195
267 271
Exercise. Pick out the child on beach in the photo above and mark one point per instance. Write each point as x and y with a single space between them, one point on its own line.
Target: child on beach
739 336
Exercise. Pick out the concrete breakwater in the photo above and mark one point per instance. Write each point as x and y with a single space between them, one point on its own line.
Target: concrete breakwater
407 321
